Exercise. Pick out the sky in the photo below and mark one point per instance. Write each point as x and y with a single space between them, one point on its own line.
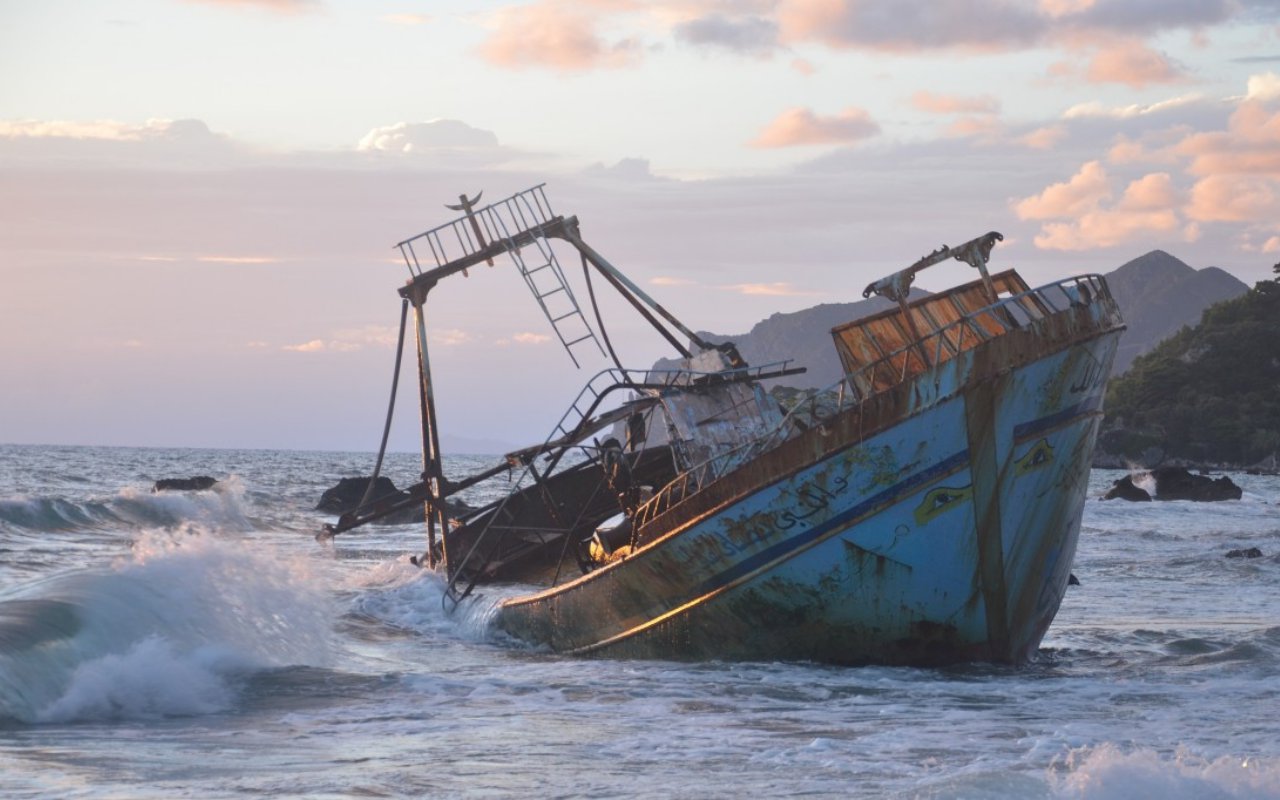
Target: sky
199 199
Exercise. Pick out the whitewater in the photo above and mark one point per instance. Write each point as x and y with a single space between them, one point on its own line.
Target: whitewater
205 644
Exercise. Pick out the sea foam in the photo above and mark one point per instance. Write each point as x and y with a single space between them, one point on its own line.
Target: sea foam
1109 772
165 631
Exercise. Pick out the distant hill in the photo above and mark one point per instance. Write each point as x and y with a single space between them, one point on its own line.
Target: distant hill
1159 294
1209 394
802 336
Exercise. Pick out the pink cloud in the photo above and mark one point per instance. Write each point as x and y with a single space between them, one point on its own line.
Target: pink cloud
799 126
803 66
776 289
1132 63
530 338
1234 198
406 19
313 346
282 6
954 104
1043 138
909 25
1147 205
1250 145
553 35
986 128
1083 192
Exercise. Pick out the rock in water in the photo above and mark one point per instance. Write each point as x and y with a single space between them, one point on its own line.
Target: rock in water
347 494
1252 552
1177 483
199 483
1124 489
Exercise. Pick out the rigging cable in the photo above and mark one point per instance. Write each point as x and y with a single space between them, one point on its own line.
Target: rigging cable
391 407
604 334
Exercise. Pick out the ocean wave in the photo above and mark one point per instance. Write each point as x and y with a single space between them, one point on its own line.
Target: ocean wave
407 597
1111 772
163 632
222 507
55 514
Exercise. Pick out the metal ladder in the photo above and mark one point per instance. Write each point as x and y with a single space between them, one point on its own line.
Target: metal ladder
546 281
525 214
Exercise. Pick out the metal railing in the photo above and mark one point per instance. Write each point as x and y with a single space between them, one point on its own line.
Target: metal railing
592 395
498 222
1012 313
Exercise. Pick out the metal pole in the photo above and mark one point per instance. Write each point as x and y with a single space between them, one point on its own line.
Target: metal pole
432 471
612 272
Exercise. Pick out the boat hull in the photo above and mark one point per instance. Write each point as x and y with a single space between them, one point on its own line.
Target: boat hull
931 524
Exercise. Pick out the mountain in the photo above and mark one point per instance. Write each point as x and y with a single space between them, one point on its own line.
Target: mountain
802 336
1159 294
1207 394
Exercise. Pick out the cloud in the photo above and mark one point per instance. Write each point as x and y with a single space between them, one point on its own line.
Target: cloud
313 346
1234 198
156 142
1083 192
1263 87
153 130
803 66
450 337
553 35
350 340
954 104
1096 109
1043 138
1249 146
750 35
1148 205
281 6
909 25
530 338
666 280
994 25
775 289
1131 63
408 137
228 259
800 126
983 128
626 169
406 19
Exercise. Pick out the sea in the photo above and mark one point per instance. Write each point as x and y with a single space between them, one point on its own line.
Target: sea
205 644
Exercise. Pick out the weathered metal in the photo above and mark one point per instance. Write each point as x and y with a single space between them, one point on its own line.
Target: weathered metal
924 510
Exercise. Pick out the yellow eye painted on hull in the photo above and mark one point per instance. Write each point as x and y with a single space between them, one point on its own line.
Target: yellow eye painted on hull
1040 454
940 499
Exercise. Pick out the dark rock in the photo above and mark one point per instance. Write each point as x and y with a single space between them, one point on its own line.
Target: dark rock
1177 483
346 495
1124 489
1252 552
199 483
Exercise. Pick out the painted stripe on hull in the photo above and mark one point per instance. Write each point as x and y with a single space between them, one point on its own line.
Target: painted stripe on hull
769 559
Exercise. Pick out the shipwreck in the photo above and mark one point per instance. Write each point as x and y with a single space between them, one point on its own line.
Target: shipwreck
924 510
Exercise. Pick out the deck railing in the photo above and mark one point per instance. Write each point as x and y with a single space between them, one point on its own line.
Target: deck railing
942 344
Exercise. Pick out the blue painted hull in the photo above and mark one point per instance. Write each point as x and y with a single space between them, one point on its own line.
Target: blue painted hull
935 523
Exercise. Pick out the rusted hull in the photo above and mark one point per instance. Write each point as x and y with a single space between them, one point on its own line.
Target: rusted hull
934 523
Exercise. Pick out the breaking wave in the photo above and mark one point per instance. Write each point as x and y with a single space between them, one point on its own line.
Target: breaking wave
221 507
1109 772
167 631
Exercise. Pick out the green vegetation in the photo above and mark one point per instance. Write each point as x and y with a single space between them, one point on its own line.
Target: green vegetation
1208 394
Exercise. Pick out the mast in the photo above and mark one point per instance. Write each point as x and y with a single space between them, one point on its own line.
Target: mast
521 222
